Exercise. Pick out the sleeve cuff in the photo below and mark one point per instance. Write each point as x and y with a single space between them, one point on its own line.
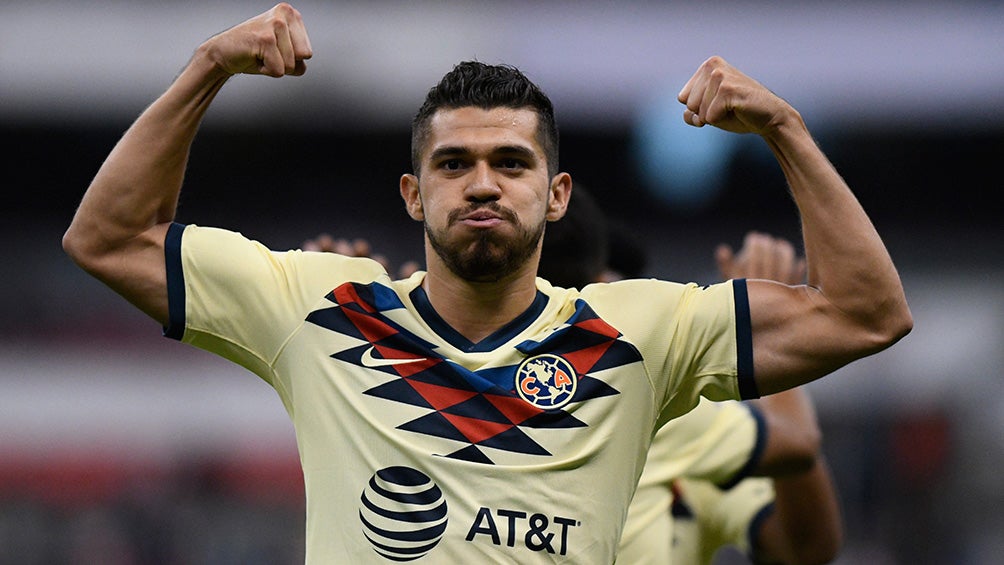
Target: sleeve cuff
175 327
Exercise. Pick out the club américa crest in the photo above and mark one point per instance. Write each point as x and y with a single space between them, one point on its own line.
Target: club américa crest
546 381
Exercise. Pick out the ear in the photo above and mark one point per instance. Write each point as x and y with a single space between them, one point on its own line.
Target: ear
412 197
561 191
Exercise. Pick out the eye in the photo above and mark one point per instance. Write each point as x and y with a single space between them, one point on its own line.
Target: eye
452 164
512 163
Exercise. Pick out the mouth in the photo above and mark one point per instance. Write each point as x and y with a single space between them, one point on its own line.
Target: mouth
481 217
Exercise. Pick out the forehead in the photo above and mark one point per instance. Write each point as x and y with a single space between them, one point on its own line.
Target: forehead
479 129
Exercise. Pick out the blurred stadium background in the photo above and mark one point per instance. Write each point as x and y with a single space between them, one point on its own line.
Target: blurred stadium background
120 446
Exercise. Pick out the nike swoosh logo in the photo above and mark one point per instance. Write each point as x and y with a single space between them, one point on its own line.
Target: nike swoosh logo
368 360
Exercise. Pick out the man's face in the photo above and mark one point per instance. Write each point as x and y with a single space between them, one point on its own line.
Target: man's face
484 190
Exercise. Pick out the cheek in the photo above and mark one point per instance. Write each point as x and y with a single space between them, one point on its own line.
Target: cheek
542 205
432 210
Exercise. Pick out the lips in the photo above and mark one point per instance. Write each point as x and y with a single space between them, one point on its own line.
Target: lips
480 216
482 222
484 215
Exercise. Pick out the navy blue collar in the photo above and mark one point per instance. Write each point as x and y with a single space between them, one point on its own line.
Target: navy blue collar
421 301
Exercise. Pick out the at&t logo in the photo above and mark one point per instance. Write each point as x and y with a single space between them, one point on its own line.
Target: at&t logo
403 513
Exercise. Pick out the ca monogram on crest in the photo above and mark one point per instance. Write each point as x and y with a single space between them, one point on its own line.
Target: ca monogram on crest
546 381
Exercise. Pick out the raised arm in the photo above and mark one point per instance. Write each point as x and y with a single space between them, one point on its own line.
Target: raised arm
853 304
117 233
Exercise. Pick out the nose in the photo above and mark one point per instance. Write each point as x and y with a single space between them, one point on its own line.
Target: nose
483 185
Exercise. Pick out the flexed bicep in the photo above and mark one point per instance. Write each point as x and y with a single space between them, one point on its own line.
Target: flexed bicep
798 335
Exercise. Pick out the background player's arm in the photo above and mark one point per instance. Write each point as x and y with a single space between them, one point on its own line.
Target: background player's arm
805 526
853 304
117 233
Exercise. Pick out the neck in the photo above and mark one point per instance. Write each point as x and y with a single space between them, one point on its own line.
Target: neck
478 309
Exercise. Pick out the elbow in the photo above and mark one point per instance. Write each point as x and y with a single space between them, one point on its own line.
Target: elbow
904 323
85 249
804 446
802 457
899 318
73 246
885 325
811 445
896 325
794 438
82 251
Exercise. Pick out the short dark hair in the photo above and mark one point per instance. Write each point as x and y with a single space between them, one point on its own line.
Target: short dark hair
576 247
472 83
586 244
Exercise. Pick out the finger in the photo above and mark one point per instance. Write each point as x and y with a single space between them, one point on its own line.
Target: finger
688 88
709 95
284 44
696 99
692 119
291 38
692 94
724 258
302 49
279 20
801 268
720 100
276 46
750 256
266 40
761 257
777 268
270 59
704 89
787 270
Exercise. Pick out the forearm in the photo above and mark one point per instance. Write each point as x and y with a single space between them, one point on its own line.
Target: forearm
806 526
138 185
117 233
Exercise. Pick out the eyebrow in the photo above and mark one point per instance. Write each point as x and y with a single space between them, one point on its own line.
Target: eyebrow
456 150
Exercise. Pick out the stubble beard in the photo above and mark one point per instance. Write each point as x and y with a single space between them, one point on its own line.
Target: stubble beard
490 257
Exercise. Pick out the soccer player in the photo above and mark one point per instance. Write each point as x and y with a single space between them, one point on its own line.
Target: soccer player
473 412
709 480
